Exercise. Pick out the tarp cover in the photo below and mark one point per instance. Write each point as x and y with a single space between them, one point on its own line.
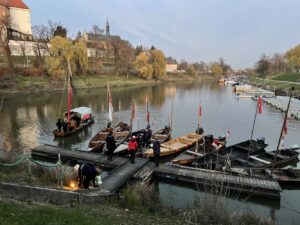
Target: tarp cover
83 112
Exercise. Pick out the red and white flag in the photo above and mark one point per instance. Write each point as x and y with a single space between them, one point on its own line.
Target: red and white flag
260 103
133 111
110 106
200 111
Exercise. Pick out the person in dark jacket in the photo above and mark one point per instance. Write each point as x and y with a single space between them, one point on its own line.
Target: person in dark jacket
147 136
156 152
110 145
59 125
87 173
132 148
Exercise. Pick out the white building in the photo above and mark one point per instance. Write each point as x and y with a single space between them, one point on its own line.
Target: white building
16 15
171 68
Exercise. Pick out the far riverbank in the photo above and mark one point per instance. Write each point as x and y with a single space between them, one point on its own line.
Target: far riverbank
18 84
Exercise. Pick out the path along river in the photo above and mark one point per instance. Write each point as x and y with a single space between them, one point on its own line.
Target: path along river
28 120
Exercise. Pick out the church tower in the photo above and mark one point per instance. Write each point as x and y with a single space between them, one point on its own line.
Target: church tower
107 28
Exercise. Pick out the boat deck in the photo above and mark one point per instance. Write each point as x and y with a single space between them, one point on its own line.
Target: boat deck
52 152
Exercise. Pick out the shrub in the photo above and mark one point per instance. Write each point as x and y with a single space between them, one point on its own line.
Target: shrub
32 72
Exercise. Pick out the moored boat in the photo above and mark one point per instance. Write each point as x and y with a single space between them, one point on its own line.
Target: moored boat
267 159
121 133
78 119
242 150
175 145
162 135
205 146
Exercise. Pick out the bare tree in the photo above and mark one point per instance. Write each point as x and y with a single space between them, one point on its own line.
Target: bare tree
4 41
40 35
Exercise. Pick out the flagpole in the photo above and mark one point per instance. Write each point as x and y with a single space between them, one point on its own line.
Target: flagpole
171 124
282 128
254 121
1 103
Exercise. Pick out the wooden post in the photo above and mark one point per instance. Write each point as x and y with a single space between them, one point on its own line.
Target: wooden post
1 103
282 128
171 123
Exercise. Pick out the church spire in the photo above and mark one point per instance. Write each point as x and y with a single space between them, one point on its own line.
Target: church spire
107 28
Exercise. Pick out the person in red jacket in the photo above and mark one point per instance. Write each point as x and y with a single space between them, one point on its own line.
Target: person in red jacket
132 148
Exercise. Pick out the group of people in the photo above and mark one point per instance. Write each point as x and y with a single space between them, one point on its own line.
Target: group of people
87 172
66 126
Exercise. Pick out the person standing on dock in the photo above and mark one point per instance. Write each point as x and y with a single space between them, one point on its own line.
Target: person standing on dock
132 148
156 152
110 145
59 125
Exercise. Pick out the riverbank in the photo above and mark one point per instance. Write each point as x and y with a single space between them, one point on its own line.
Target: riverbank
18 84
273 85
111 213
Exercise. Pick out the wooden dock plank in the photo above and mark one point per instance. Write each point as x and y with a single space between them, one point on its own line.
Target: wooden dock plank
238 183
120 175
49 151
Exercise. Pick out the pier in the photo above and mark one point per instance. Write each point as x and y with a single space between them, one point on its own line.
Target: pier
53 152
281 102
214 179
144 170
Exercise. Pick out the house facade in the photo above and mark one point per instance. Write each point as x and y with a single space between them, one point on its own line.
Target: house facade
15 15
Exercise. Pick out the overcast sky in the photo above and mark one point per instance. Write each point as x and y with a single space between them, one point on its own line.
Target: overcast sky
237 30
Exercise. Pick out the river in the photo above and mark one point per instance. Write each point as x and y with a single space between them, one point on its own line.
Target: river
28 120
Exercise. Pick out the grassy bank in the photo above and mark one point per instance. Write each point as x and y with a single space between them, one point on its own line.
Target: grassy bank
23 84
289 77
273 84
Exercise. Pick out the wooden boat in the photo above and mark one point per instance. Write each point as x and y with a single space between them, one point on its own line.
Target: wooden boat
162 135
204 147
285 176
175 146
121 134
241 150
79 118
267 159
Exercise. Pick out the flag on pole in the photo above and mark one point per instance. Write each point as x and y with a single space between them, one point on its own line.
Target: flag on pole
133 111
260 103
200 111
228 134
110 106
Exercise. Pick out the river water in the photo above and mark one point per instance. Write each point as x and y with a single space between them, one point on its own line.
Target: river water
28 120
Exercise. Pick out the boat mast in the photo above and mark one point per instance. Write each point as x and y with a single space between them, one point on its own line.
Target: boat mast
282 128
253 126
69 92
1 103
171 125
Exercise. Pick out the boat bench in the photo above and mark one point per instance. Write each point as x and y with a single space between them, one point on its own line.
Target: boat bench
278 155
245 162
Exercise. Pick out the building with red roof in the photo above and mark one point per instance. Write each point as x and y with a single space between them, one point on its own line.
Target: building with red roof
15 15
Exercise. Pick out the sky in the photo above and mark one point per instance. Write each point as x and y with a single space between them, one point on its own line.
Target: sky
193 30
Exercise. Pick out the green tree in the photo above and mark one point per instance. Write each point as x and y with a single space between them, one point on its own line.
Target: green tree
158 61
143 67
66 55
263 65
191 70
80 57
216 69
293 57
